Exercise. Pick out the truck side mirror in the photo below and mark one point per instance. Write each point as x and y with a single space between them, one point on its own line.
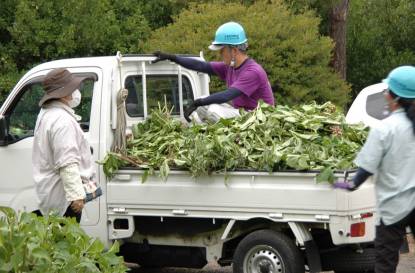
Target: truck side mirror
3 131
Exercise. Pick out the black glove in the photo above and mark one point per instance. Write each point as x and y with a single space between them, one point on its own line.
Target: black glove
161 56
192 107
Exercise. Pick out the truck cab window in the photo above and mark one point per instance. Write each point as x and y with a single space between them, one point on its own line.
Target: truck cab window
84 109
23 114
377 106
22 117
160 89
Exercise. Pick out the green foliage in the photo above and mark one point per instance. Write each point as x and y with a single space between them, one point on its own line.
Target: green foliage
6 18
9 73
29 243
321 7
33 32
308 137
381 36
160 13
44 30
288 46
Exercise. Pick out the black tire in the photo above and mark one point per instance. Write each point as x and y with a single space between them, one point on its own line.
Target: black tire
349 261
265 250
366 271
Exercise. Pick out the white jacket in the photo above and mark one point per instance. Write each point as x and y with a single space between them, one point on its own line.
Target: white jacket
59 142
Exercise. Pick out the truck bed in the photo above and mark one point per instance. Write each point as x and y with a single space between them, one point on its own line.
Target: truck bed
281 196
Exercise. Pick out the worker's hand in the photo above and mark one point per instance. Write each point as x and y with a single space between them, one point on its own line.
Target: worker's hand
191 108
77 205
344 185
161 56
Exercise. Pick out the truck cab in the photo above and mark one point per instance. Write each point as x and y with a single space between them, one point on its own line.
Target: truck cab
148 85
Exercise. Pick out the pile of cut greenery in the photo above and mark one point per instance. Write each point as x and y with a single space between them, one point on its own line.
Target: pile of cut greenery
305 138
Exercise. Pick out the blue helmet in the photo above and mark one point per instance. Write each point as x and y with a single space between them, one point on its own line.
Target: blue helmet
230 33
401 81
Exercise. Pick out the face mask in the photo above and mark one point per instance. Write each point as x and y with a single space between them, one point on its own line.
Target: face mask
76 99
232 64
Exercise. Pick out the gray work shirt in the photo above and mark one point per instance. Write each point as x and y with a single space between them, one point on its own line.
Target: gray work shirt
58 142
389 153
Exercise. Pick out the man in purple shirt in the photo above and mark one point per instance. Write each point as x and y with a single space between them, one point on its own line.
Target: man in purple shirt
246 80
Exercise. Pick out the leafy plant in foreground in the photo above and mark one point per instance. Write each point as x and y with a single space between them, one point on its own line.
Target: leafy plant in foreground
29 243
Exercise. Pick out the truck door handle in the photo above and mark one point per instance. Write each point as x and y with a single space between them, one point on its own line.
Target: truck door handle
92 150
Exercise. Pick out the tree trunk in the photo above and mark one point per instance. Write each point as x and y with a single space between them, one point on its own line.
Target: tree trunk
338 16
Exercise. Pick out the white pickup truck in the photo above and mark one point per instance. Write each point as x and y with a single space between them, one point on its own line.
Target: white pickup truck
257 221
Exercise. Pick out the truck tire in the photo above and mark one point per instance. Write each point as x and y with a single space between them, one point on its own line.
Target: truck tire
369 271
267 251
349 261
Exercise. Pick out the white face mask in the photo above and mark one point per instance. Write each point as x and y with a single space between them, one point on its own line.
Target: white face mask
76 99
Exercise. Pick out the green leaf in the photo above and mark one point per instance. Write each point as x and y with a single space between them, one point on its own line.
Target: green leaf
144 177
8 212
326 175
88 265
179 162
164 170
305 136
5 267
40 253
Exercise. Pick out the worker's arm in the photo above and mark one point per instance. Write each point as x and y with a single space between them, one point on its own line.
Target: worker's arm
72 185
220 97
217 98
358 179
361 176
66 155
186 62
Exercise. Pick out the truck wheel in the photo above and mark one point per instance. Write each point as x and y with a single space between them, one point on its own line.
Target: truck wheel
267 251
369 271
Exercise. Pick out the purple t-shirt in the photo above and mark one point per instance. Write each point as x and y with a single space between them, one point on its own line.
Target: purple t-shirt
250 78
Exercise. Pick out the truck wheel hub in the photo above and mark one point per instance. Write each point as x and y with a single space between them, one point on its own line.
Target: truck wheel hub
263 259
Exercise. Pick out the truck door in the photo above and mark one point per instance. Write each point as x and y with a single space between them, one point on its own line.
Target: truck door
16 184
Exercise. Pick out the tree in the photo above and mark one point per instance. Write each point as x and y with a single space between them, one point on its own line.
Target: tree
7 65
6 19
338 17
45 30
333 14
288 46
41 30
381 36
160 13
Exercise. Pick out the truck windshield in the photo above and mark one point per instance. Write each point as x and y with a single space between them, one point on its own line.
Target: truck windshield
377 106
22 114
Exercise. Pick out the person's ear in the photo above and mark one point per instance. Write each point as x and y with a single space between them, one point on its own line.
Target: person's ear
67 98
235 51
388 96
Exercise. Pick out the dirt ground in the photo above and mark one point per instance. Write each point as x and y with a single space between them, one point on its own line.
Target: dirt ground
407 261
406 265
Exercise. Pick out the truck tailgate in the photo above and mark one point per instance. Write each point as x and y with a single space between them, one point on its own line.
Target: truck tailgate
244 195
